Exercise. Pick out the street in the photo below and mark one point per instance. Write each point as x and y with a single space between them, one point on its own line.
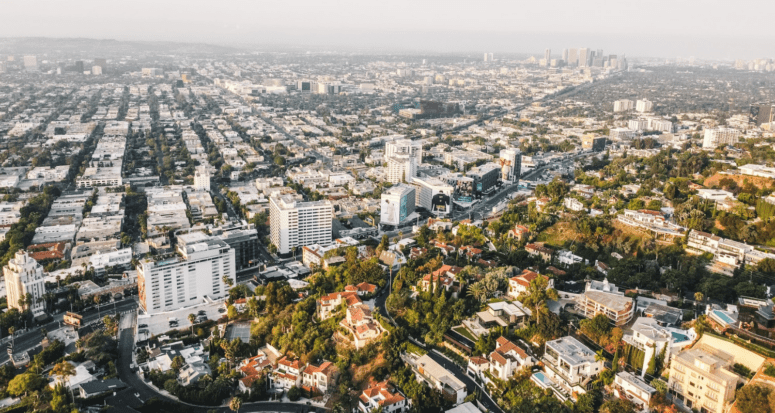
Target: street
31 338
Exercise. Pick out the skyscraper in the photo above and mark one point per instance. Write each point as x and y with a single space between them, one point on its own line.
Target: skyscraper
79 66
548 55
101 63
511 164
583 57
573 57
565 55
762 113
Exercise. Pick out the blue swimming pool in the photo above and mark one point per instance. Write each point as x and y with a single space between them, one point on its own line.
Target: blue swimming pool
723 316
678 337
542 378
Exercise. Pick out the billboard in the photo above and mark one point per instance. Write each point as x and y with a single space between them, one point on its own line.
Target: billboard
389 211
440 203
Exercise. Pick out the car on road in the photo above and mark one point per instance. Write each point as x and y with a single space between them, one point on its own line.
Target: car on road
201 312
142 326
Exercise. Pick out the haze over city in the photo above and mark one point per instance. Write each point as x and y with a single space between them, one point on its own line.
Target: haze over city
715 29
387 207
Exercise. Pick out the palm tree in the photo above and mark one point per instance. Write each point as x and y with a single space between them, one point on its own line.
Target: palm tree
536 296
235 403
64 369
11 330
191 319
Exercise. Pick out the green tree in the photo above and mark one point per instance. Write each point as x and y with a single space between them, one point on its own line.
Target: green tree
235 404
231 312
294 394
538 292
755 398
177 363
618 406
191 319
25 383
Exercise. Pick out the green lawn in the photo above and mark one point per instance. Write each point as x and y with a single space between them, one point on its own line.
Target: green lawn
464 332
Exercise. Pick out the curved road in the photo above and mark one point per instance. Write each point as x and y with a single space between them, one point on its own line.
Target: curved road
138 391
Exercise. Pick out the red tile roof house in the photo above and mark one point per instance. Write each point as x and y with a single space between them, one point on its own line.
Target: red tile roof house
287 373
319 379
383 395
362 289
252 369
520 283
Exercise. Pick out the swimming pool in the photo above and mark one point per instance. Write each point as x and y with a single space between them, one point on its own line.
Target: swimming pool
541 379
723 316
678 337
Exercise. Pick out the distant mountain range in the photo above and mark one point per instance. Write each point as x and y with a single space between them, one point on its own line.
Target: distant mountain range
104 47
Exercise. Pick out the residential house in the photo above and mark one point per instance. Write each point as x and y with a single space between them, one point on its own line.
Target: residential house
573 204
567 258
520 283
383 396
507 359
634 389
652 338
251 369
509 315
287 373
361 289
519 233
571 364
544 253
361 325
329 304
439 378
319 379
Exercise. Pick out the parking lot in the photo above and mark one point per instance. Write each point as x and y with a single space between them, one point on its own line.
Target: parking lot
160 323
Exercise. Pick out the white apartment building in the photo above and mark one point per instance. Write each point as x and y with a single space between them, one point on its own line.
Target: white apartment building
400 169
402 157
716 137
644 105
294 224
431 372
637 124
623 105
573 204
185 278
397 203
571 364
202 179
23 275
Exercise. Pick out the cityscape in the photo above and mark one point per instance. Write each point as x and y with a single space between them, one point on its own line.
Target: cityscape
235 224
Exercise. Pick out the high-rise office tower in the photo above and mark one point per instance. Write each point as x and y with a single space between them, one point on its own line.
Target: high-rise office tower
511 164
762 113
548 55
486 57
583 57
23 279
296 224
403 156
599 53
101 63
79 66
573 57
565 55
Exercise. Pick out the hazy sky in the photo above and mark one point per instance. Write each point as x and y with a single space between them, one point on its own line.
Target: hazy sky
665 28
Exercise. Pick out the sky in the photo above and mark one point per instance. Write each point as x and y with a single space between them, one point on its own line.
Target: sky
714 29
